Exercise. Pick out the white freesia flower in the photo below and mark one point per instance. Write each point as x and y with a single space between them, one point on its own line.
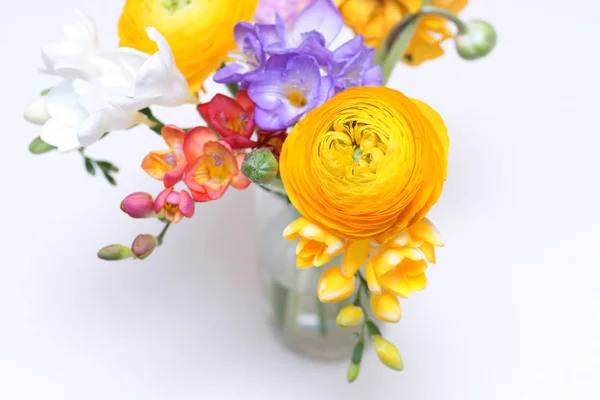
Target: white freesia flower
158 80
103 92
76 55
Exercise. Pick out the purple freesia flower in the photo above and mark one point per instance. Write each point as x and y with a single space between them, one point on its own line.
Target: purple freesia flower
250 59
290 86
352 65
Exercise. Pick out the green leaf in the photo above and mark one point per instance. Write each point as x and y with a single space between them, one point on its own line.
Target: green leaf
109 178
107 166
38 146
45 92
89 166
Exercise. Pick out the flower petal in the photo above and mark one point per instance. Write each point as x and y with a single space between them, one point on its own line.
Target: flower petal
173 135
386 307
333 286
355 256
194 141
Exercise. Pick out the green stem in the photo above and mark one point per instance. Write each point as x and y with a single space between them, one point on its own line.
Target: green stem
156 125
432 10
233 88
322 312
162 233
394 46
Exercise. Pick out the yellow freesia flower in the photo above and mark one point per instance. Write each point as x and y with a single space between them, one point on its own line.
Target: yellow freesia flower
200 32
375 18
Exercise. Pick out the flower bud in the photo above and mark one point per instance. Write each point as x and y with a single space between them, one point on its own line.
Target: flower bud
36 112
144 245
388 353
350 316
477 39
260 166
353 370
115 252
386 307
138 205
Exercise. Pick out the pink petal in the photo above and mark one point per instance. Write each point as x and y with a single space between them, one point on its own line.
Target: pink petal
195 139
173 135
186 204
174 175
159 203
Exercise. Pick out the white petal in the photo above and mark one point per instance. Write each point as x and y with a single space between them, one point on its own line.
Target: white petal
36 113
62 103
65 138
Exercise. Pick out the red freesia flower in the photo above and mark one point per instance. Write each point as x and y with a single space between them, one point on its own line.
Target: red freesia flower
272 140
232 119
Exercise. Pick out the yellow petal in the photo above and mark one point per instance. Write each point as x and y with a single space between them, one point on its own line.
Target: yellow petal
371 277
388 353
412 253
429 252
355 256
333 286
350 316
425 230
387 261
291 231
386 307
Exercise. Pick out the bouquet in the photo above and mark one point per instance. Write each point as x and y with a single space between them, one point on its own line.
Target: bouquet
308 119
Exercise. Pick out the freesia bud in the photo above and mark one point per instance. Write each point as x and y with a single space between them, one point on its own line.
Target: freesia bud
388 353
36 112
476 40
138 205
115 252
386 307
353 370
260 166
350 316
144 245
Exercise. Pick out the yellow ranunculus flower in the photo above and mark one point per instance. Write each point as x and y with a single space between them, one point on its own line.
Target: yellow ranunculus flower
366 164
375 18
200 32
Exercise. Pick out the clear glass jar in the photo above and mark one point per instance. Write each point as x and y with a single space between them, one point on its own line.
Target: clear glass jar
299 319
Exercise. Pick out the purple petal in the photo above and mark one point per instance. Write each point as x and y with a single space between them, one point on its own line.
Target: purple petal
267 34
231 73
313 44
241 30
349 49
373 77
268 120
323 16
326 90
267 91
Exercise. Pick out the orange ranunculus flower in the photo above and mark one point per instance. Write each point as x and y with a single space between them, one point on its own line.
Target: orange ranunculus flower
375 18
365 165
200 32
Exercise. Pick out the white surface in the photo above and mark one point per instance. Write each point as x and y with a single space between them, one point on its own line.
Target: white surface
512 308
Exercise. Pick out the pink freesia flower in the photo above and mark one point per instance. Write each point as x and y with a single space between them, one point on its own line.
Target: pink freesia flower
175 205
287 9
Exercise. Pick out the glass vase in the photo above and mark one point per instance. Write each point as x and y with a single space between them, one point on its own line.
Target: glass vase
299 319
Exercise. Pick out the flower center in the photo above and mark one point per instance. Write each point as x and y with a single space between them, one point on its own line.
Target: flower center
297 97
170 159
218 160
173 6
353 151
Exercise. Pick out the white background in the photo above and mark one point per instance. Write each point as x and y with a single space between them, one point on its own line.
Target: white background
512 310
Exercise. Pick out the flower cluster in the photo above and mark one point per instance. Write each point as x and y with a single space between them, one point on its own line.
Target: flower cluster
103 91
363 170
207 165
362 163
289 70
